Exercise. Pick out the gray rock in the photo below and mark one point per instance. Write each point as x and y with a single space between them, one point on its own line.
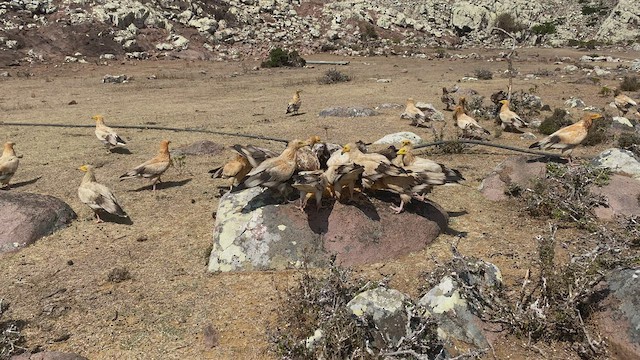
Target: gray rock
5 74
445 303
467 17
623 203
528 136
574 102
138 55
620 319
26 217
430 112
396 138
622 121
387 309
254 231
387 106
115 79
569 69
635 65
351 111
519 171
621 23
619 161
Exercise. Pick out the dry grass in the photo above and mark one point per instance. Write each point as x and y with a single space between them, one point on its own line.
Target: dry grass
161 310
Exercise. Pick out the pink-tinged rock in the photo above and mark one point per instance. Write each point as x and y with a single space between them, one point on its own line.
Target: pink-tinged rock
48 355
519 170
623 196
254 231
25 217
619 319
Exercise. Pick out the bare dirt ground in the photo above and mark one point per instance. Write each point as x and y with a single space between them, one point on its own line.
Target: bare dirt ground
59 286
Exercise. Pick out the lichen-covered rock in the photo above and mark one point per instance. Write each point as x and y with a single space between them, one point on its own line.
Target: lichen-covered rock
387 309
445 303
622 23
396 138
25 218
619 161
574 102
255 231
350 111
430 112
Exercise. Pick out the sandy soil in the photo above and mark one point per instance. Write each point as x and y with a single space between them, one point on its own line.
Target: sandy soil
59 286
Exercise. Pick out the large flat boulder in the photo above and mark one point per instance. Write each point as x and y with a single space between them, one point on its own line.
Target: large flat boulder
25 217
624 203
519 170
254 231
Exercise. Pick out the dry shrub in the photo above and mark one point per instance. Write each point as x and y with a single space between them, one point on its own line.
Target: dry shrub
318 305
555 122
564 194
631 142
333 76
630 83
11 340
599 132
483 74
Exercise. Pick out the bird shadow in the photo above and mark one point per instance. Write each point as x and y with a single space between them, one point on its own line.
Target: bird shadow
548 159
266 197
164 185
363 203
298 114
107 217
23 183
119 150
318 219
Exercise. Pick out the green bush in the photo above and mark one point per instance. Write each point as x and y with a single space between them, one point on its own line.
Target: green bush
279 58
508 23
631 142
555 122
544 28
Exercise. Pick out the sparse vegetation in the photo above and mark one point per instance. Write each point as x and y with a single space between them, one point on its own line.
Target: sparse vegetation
508 23
483 74
599 132
630 83
554 299
117 275
631 142
590 44
605 91
283 58
441 53
564 195
333 76
10 337
315 323
555 122
367 31
545 28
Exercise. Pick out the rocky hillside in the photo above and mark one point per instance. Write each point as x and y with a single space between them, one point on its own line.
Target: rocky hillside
43 30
